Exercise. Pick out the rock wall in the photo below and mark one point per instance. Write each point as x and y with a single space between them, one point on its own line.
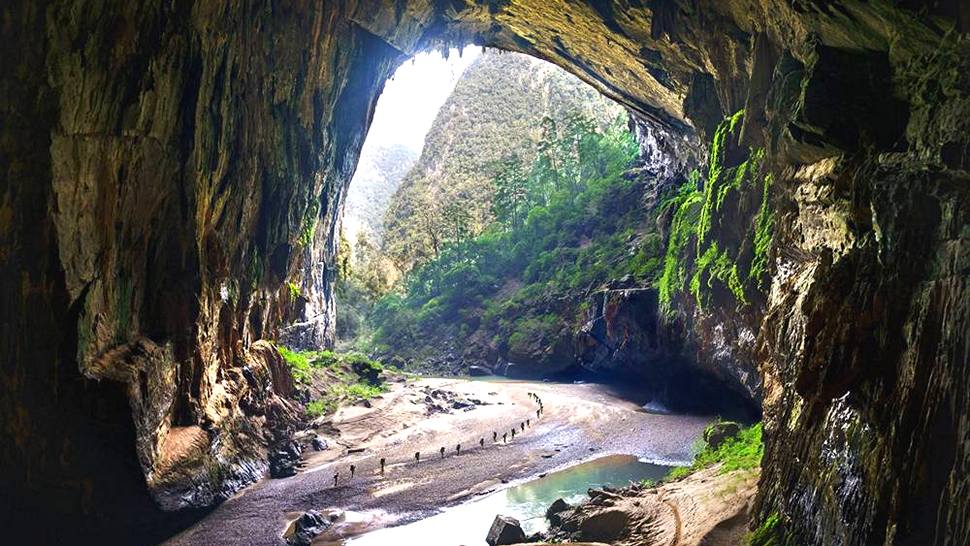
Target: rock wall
169 166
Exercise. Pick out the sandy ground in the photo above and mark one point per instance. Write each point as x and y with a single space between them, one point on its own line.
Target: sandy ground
579 421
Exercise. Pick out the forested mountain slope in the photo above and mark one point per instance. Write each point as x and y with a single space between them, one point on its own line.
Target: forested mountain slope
379 174
500 110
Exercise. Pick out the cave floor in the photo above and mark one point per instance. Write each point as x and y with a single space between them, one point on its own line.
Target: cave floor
579 422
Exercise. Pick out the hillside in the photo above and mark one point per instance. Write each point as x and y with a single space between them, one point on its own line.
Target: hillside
500 110
379 174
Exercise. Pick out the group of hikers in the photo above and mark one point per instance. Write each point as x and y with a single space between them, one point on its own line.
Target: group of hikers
481 441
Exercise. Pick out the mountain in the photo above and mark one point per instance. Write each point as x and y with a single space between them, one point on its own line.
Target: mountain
499 112
379 174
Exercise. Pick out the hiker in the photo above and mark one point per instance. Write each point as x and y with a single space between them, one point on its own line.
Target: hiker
504 436
417 456
513 433
353 469
481 442
382 466
528 422
494 436
538 412
523 426
335 476
458 449
442 452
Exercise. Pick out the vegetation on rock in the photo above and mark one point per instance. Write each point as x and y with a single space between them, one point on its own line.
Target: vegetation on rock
696 261
743 452
332 378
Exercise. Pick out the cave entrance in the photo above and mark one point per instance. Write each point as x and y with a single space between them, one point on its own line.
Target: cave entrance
503 221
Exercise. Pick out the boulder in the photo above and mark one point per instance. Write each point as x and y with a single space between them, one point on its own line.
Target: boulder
308 526
318 443
716 433
505 530
606 525
284 459
554 512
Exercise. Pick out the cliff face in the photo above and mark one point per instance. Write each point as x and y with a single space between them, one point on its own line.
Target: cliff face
163 165
169 166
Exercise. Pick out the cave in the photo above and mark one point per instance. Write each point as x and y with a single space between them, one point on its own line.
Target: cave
170 166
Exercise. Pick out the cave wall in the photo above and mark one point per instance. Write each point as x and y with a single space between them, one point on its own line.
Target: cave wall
162 163
168 167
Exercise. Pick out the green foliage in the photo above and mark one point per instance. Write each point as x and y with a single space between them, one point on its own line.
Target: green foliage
294 290
334 377
299 364
363 391
316 408
687 204
743 452
567 221
509 125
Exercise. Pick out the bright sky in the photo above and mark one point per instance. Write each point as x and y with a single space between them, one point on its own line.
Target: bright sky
413 96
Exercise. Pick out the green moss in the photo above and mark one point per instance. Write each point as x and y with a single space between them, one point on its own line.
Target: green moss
715 172
309 225
698 208
687 203
763 234
769 533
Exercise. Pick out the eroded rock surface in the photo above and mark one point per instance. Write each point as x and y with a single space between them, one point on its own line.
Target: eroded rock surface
700 509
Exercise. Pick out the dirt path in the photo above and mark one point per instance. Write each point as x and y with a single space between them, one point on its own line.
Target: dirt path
578 422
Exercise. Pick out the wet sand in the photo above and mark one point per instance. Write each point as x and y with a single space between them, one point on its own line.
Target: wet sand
579 421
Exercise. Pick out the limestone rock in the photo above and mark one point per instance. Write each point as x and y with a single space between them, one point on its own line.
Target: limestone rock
606 525
308 526
504 530
717 433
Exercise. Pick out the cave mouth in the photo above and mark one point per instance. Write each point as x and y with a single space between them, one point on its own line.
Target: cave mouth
463 152
173 175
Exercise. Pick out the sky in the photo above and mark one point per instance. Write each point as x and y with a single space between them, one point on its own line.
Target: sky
413 96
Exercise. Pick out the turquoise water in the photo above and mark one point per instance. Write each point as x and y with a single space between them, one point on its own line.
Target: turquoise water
467 524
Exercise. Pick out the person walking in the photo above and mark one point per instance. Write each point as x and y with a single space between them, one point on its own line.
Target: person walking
494 436
442 452
353 469
458 449
481 442
382 466
417 456
513 433
523 426
336 476
505 436
528 422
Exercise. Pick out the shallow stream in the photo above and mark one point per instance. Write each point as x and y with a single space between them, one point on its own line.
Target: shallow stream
467 524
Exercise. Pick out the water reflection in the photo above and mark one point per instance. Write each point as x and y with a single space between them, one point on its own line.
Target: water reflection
467 524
